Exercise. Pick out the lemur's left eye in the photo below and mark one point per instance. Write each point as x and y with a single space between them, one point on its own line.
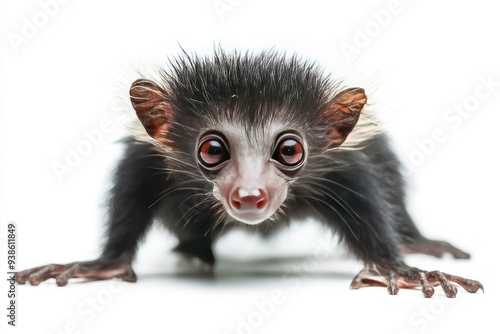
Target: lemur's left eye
289 152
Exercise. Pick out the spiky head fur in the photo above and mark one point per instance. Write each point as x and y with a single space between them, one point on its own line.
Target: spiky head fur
251 91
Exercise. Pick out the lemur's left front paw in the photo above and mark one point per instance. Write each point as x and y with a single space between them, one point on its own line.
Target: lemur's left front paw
407 277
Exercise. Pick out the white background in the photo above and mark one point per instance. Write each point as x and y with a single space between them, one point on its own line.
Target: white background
424 59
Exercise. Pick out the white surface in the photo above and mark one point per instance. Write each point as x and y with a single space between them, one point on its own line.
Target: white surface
428 58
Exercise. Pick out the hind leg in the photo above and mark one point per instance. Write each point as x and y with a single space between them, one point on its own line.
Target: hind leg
414 242
391 179
197 248
435 248
196 233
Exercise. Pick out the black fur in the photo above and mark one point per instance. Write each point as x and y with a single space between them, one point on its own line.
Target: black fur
359 193
143 190
362 202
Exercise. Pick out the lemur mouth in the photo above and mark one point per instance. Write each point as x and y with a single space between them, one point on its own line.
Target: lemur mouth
250 218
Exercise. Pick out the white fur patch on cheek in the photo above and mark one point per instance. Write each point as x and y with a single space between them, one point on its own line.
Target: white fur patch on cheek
216 192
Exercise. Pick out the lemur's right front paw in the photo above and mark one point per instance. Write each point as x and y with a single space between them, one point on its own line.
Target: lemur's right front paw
92 270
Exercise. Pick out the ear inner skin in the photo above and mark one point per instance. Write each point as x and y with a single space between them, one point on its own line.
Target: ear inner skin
343 114
152 108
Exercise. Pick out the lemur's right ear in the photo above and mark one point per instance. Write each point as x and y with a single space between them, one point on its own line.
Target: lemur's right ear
152 107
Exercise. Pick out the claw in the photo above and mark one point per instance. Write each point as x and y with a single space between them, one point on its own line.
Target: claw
449 289
428 291
392 286
34 279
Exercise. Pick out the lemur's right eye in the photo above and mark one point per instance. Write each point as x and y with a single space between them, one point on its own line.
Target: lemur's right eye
212 152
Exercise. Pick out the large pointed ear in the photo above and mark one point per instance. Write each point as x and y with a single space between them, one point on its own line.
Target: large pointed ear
343 113
152 107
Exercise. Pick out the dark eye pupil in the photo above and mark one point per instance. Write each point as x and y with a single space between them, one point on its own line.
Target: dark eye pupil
288 148
215 148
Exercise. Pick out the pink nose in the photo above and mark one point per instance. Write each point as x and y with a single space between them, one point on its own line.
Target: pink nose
243 200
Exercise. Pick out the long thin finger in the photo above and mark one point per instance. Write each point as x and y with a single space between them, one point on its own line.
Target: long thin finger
64 277
44 274
22 276
427 289
449 289
469 285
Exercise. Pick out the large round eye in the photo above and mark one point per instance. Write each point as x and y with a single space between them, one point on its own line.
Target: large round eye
289 152
212 152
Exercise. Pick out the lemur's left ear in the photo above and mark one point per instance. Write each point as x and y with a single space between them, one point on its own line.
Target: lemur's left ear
151 104
343 113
